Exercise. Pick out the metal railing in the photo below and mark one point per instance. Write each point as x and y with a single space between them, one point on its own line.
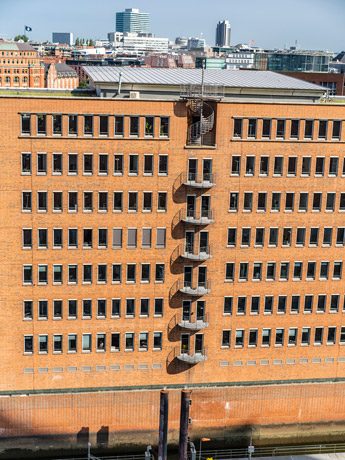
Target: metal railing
205 180
191 356
197 323
192 252
274 451
187 287
206 91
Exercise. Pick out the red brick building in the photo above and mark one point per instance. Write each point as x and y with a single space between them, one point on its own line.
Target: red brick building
20 66
143 246
61 76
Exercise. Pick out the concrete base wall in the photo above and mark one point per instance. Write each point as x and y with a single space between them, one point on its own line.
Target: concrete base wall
128 420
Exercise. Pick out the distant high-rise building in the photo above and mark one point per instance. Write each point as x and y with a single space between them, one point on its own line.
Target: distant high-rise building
62 38
223 32
131 20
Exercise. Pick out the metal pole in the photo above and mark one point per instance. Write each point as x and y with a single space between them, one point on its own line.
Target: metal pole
183 440
88 450
200 449
163 425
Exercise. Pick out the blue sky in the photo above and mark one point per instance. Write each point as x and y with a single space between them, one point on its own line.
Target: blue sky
315 24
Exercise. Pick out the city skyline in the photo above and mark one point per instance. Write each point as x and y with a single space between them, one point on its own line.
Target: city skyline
264 25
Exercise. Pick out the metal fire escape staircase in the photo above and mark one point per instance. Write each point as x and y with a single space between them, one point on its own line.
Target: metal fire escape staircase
197 130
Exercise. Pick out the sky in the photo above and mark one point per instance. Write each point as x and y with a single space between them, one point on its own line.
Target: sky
315 24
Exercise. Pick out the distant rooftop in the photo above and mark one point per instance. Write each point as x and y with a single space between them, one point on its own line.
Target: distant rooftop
168 81
15 46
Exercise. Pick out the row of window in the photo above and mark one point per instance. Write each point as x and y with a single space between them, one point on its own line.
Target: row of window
15 79
315 236
295 336
319 168
250 199
88 201
100 305
252 304
98 343
281 129
88 164
88 125
87 273
309 273
88 236
11 69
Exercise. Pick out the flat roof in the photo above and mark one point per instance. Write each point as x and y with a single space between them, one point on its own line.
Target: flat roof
175 77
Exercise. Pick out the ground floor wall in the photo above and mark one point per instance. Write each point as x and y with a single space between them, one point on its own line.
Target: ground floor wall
127 420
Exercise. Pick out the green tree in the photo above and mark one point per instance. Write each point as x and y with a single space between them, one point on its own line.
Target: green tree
87 42
91 42
83 83
82 42
77 43
21 37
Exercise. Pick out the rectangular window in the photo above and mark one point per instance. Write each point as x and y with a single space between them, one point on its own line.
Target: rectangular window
57 125
162 201
57 309
57 274
247 201
287 232
250 165
278 166
336 129
87 273
308 129
72 274
88 125
294 132
266 128
334 305
308 304
147 201
300 236
148 165
227 307
321 303
101 342
317 198
116 273
333 166
103 238
72 125
281 305
337 270
275 201
26 123
292 336
131 238
262 199
88 201
103 164
27 238
101 308
330 201
259 236
327 236
118 201
266 337
158 311
318 336
229 271
273 236
255 305
279 337
72 343
233 206
305 338
160 269
331 335
72 201
87 308
115 308
42 274
42 124
86 343
115 341
284 271
289 201
134 126
235 165
280 129
241 305
26 163
292 166
102 273
130 307
72 237
43 344
160 238
144 307
42 309
226 339
295 300
271 270
319 166
232 237
297 271
119 126
163 165
143 341
303 202
118 165
311 270
42 201
324 266
103 201
72 163
103 125
239 338
57 201
149 126
252 128
243 276
306 162
238 122
164 127
88 163
264 162
117 238
133 165
87 237
131 273
314 236
157 340
268 307
340 236
245 240
322 129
